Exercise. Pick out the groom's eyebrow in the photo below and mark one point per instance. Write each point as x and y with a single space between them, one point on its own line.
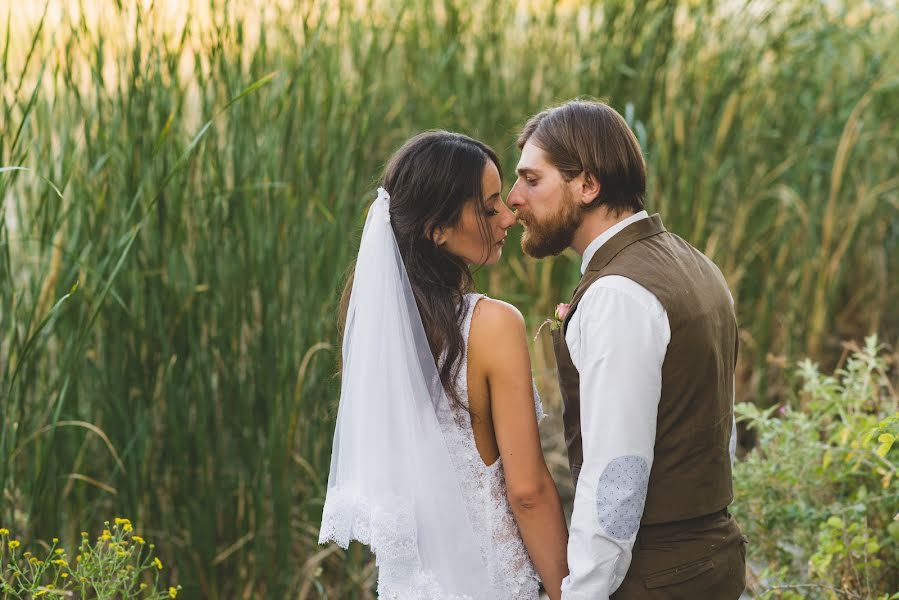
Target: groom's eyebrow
522 171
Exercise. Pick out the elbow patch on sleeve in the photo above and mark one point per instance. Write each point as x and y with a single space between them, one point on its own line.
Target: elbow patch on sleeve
621 496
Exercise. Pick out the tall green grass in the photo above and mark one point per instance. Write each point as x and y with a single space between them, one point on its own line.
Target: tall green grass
167 305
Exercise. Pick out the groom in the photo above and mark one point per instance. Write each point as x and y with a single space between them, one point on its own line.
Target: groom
646 358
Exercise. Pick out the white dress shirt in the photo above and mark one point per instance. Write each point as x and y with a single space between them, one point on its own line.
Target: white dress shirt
617 339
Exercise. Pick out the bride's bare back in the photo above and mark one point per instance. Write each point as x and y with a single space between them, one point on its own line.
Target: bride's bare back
503 422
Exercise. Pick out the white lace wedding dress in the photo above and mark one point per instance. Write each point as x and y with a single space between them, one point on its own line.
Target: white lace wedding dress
406 478
484 491
388 526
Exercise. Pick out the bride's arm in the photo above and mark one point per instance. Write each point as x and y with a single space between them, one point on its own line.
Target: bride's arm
502 347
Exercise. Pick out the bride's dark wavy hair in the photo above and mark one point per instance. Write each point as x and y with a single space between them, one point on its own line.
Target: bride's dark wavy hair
430 179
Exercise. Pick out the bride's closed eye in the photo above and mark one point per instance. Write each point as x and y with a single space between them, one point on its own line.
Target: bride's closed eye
491 207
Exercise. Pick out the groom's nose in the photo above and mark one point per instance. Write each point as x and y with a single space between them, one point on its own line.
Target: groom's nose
514 198
508 218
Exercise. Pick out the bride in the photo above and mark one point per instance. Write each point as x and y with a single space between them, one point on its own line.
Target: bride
436 463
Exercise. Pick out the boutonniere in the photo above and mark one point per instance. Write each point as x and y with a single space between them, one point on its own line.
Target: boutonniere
557 320
561 313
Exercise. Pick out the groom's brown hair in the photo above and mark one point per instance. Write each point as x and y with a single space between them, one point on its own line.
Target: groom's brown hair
587 136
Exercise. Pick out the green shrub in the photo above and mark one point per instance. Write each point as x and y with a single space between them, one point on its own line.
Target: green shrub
817 496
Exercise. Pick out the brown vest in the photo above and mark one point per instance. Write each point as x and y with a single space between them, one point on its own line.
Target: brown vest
691 471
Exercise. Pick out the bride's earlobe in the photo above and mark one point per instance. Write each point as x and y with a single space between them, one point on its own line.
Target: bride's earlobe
438 236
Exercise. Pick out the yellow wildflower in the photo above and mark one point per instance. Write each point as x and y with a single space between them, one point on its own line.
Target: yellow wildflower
120 553
13 544
4 531
106 535
40 593
63 575
138 539
55 540
84 534
143 586
124 523
157 562
59 551
173 593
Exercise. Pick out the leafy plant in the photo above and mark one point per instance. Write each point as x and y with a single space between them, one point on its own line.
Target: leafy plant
118 565
818 496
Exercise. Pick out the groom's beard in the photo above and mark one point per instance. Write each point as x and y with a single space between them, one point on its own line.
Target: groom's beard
555 233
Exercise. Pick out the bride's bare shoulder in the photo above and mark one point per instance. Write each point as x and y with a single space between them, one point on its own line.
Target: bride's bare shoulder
496 324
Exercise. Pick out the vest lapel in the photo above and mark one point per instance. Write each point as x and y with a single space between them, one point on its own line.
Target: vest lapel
569 379
634 232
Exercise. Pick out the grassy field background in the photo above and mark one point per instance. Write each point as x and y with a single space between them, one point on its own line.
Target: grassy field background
184 186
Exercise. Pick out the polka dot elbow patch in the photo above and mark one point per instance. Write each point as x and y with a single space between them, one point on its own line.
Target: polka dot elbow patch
621 495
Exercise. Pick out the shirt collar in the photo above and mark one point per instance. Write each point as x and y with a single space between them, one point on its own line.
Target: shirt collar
606 235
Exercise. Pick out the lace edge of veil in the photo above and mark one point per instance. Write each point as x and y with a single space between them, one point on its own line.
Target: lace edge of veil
387 527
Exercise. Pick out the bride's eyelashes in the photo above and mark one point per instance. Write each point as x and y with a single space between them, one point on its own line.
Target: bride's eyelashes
490 210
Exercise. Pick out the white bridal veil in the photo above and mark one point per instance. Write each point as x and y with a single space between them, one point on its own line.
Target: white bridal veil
392 484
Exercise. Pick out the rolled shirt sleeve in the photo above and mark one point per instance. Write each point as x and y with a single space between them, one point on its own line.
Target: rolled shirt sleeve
617 339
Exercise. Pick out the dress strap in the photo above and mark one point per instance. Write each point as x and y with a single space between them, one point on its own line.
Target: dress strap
469 301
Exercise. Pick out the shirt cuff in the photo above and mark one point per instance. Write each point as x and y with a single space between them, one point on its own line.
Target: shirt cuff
567 594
